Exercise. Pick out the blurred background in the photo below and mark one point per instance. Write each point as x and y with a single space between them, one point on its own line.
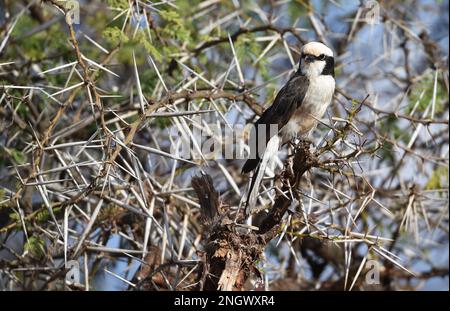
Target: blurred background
97 98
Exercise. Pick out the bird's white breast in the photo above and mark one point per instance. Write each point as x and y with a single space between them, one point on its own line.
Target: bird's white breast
317 99
318 96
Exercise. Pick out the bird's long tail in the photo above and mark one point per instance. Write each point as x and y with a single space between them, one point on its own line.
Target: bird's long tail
253 191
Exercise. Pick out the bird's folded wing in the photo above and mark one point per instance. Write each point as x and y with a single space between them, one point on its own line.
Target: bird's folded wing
286 103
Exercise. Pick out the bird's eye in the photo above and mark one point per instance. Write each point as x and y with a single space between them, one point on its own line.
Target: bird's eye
322 57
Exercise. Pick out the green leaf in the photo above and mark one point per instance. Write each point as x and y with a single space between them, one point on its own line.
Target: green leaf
2 195
148 46
121 4
34 47
44 215
36 246
18 156
14 216
175 26
163 122
390 128
248 49
296 9
422 92
170 16
150 78
438 179
114 36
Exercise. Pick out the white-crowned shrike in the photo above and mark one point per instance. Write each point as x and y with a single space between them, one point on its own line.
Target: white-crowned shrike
298 106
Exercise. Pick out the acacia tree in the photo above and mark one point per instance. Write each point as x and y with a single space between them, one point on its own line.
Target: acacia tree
99 100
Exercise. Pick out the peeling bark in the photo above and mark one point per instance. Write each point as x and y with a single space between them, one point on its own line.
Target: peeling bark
232 251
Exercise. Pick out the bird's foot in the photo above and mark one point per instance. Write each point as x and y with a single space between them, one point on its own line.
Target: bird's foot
288 171
305 140
302 143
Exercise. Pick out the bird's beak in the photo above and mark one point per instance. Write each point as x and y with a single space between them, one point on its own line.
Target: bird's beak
309 58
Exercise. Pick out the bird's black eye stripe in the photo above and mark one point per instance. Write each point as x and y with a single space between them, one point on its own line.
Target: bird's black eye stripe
320 57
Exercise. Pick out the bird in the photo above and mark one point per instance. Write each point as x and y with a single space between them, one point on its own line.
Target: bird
294 113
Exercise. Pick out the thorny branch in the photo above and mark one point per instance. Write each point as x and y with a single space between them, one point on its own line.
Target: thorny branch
93 118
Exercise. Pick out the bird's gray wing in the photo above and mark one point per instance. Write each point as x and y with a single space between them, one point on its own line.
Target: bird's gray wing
287 101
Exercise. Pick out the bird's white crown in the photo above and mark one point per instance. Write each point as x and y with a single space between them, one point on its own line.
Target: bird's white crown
316 49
